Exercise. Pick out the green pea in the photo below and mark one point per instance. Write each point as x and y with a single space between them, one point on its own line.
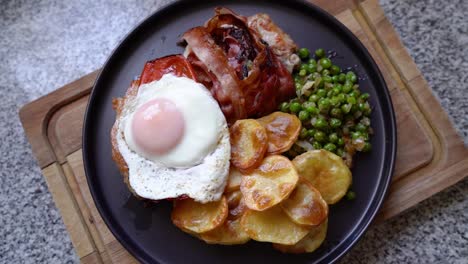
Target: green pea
320 123
324 104
327 79
367 147
312 61
362 107
347 87
355 135
351 76
284 107
342 78
311 68
330 93
350 195
335 70
333 138
340 152
295 107
325 62
303 115
335 78
303 67
330 147
320 53
311 132
351 100
298 86
321 93
342 97
314 98
319 136
346 108
302 73
335 123
367 111
316 145
340 142
326 72
335 101
354 93
338 87
313 110
365 96
304 53
303 133
360 127
336 112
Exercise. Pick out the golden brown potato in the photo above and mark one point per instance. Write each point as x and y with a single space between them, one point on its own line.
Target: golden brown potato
282 130
309 243
249 143
194 217
230 232
272 225
327 173
234 180
269 184
305 205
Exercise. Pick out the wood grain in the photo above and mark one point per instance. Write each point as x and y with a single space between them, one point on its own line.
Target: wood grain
431 156
65 202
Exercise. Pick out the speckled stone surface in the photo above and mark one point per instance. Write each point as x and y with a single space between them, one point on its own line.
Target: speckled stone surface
46 44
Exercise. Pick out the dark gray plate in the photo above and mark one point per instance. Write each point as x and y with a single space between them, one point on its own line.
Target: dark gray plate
147 232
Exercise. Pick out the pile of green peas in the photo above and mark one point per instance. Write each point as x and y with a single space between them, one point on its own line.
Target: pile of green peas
335 114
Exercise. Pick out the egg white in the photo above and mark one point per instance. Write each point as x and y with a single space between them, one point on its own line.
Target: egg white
199 165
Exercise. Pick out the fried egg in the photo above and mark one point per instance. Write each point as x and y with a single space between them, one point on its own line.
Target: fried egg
175 141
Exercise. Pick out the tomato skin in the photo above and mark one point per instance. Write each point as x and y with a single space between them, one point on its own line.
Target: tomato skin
175 64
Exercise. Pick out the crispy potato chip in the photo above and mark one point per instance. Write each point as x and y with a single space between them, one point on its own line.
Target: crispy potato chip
309 243
327 173
234 180
272 225
282 130
196 217
249 143
230 233
305 205
269 184
236 205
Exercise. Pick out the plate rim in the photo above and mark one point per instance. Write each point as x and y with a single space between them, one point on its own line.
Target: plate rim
388 167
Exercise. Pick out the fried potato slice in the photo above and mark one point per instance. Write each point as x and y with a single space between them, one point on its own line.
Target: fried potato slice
282 130
326 171
272 225
305 205
234 180
269 184
230 232
309 243
249 143
194 217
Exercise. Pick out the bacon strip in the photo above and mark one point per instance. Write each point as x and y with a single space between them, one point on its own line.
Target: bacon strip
239 68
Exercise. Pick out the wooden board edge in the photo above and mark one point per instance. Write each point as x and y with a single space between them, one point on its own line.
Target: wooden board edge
35 115
69 212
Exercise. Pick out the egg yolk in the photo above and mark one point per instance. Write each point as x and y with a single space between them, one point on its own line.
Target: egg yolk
157 126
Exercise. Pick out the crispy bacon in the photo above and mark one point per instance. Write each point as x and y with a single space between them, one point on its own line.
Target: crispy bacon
240 69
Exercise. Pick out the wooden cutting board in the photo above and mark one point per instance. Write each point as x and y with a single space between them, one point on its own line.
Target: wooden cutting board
431 156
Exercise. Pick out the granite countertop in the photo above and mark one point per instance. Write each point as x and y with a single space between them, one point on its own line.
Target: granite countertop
46 44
